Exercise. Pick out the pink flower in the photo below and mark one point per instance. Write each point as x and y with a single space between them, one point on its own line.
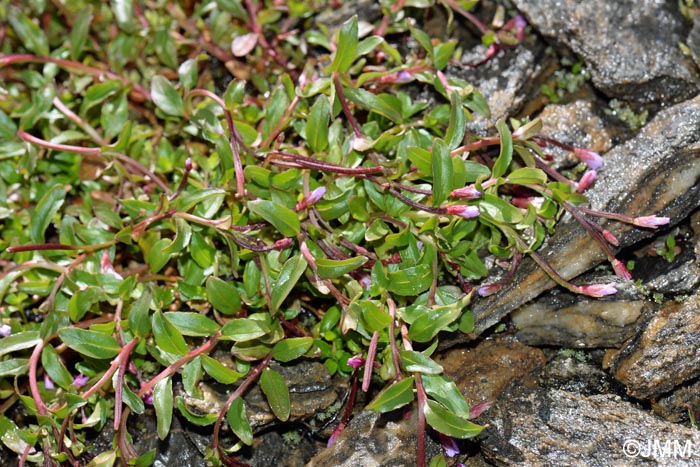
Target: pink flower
592 159
467 192
80 380
282 243
463 210
5 330
596 290
356 362
524 201
651 222
311 199
621 269
449 444
611 239
586 181
401 76
488 289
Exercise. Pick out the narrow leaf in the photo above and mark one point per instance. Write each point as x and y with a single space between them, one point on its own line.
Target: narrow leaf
500 167
163 403
139 321
46 208
416 361
442 172
317 124
458 122
346 47
192 324
330 268
393 396
448 423
78 33
19 341
291 271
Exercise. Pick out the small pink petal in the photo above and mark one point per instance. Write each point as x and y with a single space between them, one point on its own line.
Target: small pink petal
611 238
651 222
586 181
621 269
591 158
486 290
467 192
48 382
596 290
5 330
80 381
356 362
463 210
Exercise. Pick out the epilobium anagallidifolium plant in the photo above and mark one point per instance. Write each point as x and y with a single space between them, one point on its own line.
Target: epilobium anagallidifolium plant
235 176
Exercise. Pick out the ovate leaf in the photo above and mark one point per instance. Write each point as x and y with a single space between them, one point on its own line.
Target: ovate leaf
223 296
239 422
346 47
281 217
276 392
168 338
166 97
442 172
289 349
291 271
90 343
506 155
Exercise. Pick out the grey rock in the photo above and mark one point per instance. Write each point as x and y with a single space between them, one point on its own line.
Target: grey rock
664 355
657 172
545 427
630 46
376 440
679 404
571 321
505 81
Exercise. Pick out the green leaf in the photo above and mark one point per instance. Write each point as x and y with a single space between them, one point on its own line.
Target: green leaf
14 367
281 217
188 73
90 343
245 329
238 421
276 392
291 271
166 97
372 316
223 296
11 436
79 32
446 392
46 208
97 93
163 403
422 159
527 176
192 324
448 423
168 338
367 45
183 233
458 122
346 47
291 348
416 361
424 40
8 128
494 208
442 172
123 12
19 341
55 368
165 48
82 300
410 281
219 372
500 167
31 35
277 105
317 124
393 396
435 320
443 53
331 268
383 104
139 321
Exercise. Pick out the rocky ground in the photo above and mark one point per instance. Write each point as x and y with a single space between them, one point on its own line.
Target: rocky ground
572 381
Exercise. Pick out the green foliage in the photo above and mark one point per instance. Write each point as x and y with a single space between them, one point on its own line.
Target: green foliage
154 212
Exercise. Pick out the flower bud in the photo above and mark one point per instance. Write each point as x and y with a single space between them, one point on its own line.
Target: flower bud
591 158
463 210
